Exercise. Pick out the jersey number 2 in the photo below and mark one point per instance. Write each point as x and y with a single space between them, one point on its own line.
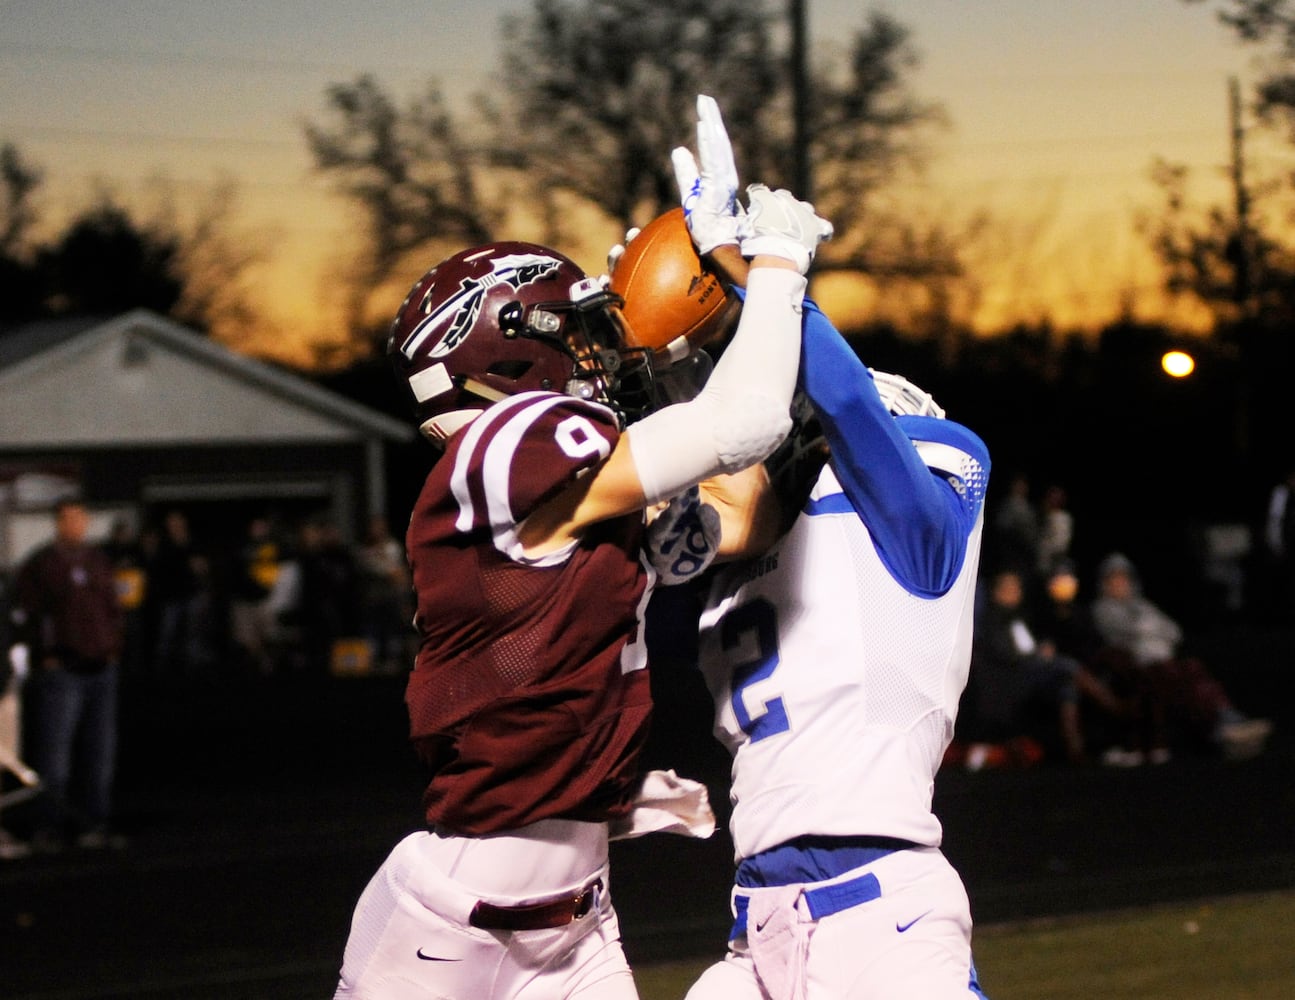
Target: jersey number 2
751 632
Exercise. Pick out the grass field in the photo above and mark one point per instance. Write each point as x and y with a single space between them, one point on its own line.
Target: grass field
1236 948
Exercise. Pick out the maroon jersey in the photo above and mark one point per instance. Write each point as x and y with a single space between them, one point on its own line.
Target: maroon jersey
528 699
67 598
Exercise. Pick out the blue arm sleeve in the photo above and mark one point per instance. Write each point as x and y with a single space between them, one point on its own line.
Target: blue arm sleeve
896 472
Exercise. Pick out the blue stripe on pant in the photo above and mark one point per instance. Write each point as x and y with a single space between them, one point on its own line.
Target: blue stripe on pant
822 901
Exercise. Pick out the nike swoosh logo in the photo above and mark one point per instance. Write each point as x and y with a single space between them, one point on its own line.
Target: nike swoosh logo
436 958
900 928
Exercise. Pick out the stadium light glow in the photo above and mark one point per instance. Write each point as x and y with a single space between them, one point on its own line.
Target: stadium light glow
1178 364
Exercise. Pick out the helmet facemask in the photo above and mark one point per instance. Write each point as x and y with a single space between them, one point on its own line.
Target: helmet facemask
902 398
603 368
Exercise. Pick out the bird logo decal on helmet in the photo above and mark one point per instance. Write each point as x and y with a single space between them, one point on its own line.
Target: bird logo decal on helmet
514 270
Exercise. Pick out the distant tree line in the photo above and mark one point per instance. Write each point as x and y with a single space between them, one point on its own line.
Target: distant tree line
595 91
593 95
108 258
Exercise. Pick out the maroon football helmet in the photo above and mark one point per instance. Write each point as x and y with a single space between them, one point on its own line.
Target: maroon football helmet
505 318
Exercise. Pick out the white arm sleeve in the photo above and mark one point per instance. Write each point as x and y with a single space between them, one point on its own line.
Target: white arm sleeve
743 413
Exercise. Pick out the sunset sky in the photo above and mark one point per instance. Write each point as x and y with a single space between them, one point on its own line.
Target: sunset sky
1058 109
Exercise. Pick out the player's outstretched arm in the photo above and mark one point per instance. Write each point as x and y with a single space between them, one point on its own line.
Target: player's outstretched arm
742 413
912 495
748 510
737 419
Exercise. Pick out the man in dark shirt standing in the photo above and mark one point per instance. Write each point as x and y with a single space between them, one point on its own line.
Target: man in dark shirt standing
66 612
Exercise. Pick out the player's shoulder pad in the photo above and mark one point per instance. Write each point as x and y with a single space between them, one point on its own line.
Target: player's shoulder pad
543 421
523 449
952 450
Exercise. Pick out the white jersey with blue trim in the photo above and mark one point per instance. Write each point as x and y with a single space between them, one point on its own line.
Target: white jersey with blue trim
836 687
837 659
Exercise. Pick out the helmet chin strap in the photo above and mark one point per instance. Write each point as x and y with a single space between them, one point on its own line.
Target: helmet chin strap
581 388
443 426
486 392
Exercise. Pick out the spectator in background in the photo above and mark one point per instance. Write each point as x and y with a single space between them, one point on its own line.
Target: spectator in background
1062 618
13 671
251 614
329 592
1014 538
126 552
11 847
1279 547
1143 644
1056 530
385 597
1122 718
1020 685
149 541
66 614
173 586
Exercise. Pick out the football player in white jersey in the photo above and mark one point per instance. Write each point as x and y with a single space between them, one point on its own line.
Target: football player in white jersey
528 701
836 659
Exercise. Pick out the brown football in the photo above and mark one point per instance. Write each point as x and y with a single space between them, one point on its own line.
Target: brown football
667 290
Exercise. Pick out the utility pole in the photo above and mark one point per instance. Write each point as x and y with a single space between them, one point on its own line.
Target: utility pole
802 179
1242 264
1241 254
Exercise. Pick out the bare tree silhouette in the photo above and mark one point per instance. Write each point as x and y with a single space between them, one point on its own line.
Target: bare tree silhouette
594 94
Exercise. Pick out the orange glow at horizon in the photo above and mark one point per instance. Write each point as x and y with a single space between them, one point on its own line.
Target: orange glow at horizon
1056 113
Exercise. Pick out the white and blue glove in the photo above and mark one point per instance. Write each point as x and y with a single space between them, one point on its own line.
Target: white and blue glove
683 539
776 223
709 192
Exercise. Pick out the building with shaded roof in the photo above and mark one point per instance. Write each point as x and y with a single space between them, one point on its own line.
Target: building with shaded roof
137 413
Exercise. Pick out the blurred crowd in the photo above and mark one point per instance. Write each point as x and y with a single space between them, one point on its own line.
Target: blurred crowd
1090 668
163 607
1066 666
288 599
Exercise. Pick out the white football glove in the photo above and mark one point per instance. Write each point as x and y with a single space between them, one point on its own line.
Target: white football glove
709 194
780 225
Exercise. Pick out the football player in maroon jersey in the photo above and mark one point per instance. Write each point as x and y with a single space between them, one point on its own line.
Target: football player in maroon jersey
533 562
